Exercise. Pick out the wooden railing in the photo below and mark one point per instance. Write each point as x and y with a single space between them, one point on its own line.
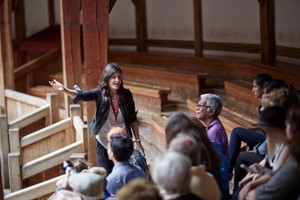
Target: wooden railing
27 114
35 191
63 138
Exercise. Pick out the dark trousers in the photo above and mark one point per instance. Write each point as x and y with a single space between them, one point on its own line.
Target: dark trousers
102 158
239 135
247 158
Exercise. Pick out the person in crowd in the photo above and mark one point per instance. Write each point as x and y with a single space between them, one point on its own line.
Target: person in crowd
85 186
139 189
272 121
278 97
284 183
120 148
250 137
179 122
208 109
114 107
172 173
136 158
203 184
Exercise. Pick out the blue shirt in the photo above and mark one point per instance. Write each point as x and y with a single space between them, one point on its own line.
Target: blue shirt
122 173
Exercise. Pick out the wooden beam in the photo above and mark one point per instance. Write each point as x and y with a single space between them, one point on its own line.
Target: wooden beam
4 150
19 13
52 99
6 44
51 12
95 43
50 160
14 171
111 4
1 185
267 32
70 37
36 191
2 82
141 25
198 28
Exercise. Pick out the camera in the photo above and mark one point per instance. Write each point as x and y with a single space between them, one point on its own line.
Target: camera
68 164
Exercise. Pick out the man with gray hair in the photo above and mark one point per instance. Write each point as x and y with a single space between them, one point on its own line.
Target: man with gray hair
208 109
171 172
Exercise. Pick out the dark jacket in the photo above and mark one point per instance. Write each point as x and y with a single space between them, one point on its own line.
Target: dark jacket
126 104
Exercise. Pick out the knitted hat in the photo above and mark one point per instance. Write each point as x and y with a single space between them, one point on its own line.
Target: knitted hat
273 116
87 184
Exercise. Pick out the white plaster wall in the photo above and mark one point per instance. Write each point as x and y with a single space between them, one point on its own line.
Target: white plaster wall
36 16
223 21
287 23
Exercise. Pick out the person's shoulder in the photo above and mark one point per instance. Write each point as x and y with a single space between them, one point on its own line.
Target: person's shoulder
189 196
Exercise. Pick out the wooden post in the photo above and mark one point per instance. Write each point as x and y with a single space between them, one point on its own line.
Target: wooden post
111 4
15 171
95 43
2 84
4 150
51 12
198 43
52 99
6 44
267 32
75 110
70 37
141 25
1 185
19 14
14 140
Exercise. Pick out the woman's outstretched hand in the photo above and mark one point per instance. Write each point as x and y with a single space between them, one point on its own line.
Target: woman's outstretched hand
56 85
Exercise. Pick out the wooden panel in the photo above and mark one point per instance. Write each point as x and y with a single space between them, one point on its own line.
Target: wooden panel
50 160
43 147
157 125
241 99
183 85
148 97
218 70
36 191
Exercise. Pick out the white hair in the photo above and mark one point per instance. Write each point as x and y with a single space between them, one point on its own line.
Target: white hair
172 172
213 102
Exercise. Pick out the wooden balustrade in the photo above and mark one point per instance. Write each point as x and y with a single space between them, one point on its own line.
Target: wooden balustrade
60 140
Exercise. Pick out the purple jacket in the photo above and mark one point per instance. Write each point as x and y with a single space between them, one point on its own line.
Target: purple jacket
216 133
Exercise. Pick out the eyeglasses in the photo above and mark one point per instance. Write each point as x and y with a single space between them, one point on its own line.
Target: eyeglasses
202 105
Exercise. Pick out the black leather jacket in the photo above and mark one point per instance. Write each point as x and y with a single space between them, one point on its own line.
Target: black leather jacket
126 104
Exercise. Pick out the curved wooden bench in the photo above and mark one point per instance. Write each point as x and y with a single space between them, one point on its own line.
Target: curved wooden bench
149 97
183 84
240 98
